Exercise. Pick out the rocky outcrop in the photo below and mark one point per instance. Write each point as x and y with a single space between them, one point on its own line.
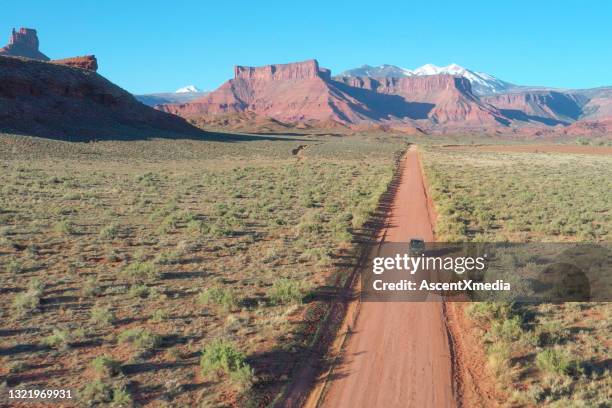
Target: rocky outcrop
449 98
303 92
285 92
545 107
88 62
53 100
23 43
282 72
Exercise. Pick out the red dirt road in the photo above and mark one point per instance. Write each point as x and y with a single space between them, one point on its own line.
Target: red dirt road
398 354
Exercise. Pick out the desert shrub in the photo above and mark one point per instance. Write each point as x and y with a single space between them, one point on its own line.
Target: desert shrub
140 338
121 398
285 291
219 296
484 312
65 227
139 291
221 356
168 258
318 255
91 287
555 361
96 392
159 316
169 223
105 366
29 301
549 333
139 270
220 229
60 339
243 377
102 316
148 179
110 231
198 226
14 266
508 330
498 358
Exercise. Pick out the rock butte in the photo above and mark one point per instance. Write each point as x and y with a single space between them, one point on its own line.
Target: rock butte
305 92
23 43
88 62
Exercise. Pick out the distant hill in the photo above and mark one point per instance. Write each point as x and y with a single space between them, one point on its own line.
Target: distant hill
60 101
482 83
429 99
170 97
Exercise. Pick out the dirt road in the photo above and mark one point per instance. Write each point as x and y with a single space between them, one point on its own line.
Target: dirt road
398 354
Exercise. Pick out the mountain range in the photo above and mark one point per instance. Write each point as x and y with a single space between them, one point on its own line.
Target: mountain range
429 99
182 95
67 97
482 83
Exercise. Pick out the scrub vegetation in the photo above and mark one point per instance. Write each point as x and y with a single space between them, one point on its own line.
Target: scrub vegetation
176 272
555 355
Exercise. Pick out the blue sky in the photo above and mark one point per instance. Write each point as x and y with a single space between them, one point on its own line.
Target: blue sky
149 46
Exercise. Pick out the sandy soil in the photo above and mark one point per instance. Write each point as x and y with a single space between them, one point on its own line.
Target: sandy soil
536 148
398 354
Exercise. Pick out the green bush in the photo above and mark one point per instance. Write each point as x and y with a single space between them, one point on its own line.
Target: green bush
139 271
105 366
102 316
140 338
243 377
221 356
555 361
286 291
485 312
96 392
29 301
507 331
65 227
139 291
14 266
60 339
219 296
198 226
168 258
121 398
91 288
111 231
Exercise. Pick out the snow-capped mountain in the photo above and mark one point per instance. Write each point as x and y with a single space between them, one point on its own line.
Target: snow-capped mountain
188 89
482 83
384 70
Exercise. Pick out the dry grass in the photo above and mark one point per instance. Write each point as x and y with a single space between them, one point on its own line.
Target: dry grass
555 355
131 258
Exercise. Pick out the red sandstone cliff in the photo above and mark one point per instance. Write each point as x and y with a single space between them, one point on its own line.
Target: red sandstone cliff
88 62
450 98
286 92
545 107
53 100
304 91
23 43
